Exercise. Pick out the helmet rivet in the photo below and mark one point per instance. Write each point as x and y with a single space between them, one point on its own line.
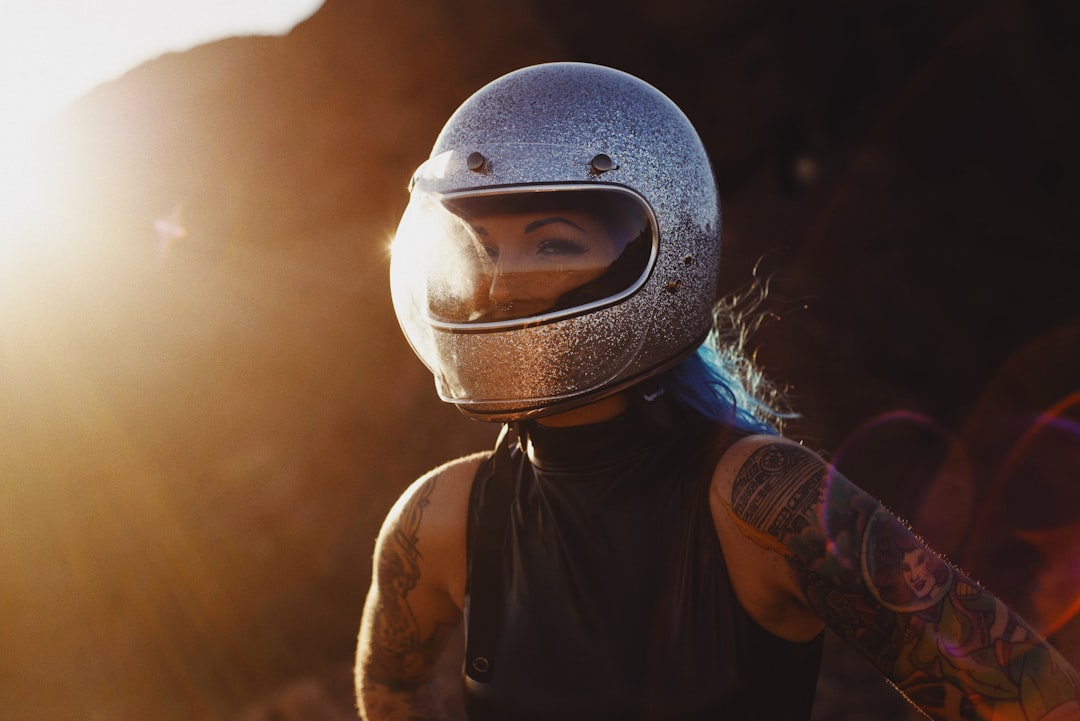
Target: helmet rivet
476 161
673 286
601 163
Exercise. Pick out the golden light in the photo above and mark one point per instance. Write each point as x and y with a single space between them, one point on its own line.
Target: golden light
99 553
54 51
24 187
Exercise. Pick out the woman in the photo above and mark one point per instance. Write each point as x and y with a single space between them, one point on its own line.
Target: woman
641 544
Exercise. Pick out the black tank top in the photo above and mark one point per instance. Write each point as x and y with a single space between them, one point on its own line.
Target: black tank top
613 598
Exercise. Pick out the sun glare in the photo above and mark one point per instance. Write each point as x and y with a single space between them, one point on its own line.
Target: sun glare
23 191
23 171
53 51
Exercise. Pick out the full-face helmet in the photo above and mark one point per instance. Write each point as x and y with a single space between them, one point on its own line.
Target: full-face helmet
560 244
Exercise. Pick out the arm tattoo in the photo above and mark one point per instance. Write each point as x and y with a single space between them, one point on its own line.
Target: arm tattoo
772 491
951 647
398 657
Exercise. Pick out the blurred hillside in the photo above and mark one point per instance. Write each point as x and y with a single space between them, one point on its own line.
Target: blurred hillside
207 408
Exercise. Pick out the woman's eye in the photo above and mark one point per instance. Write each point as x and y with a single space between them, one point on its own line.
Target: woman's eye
561 247
492 251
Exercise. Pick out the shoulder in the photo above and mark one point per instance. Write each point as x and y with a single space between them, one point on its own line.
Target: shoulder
763 466
427 524
443 489
762 482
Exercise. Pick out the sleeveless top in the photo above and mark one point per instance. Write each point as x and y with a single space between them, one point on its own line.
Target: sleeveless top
611 599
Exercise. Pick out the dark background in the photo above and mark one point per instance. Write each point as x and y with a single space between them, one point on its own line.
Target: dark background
202 430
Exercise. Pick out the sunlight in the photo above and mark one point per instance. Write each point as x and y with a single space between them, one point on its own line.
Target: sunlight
54 51
24 193
22 175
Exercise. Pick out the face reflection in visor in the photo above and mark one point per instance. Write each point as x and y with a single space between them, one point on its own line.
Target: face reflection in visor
499 257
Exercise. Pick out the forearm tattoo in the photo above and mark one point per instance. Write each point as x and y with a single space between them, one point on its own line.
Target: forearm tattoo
951 647
398 657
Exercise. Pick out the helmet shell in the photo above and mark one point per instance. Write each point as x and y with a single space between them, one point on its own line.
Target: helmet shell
561 124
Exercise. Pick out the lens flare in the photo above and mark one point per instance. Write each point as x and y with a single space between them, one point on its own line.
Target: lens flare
1056 598
875 424
1051 419
919 467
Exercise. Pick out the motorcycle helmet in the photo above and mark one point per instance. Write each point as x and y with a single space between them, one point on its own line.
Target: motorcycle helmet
560 244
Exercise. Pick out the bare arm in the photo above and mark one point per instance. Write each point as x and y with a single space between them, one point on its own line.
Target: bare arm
953 649
415 598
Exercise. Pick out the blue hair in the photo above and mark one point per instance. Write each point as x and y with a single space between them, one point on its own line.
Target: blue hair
722 383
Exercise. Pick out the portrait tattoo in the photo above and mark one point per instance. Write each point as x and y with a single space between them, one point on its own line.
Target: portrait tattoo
899 570
829 527
933 631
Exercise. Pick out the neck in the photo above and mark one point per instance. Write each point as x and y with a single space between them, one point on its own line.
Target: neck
602 410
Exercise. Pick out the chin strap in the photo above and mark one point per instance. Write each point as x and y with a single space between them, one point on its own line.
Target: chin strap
484 610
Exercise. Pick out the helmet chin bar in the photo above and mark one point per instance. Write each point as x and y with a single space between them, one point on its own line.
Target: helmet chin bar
505 414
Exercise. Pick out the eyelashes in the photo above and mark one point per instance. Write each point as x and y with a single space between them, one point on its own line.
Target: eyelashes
549 248
561 247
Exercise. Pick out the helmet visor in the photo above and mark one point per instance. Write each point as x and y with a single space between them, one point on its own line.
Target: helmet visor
496 259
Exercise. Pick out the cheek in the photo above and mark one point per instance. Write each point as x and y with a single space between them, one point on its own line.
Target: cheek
607 253
559 282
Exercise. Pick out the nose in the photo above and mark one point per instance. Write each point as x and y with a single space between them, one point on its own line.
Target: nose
505 285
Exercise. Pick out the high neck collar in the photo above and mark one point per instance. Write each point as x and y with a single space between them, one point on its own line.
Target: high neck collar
638 430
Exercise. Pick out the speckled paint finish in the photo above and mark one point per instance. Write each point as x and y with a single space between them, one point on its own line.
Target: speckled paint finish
544 125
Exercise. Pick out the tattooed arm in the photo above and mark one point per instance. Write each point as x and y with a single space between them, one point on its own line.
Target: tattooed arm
415 598
800 537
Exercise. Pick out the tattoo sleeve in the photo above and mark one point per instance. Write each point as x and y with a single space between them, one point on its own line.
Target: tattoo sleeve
396 656
953 649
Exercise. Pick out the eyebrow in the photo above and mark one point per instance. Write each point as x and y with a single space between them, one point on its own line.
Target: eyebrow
536 224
